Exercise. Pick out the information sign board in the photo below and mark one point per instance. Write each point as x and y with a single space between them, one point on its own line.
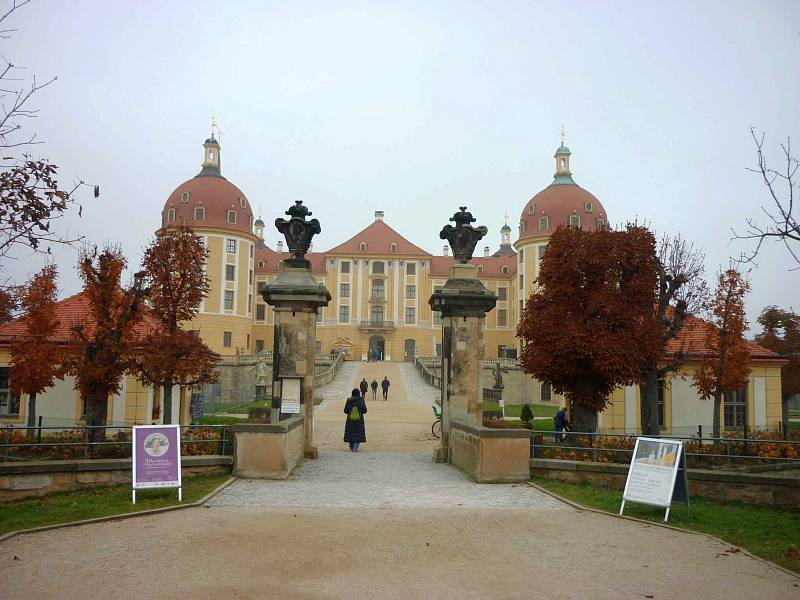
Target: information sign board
653 474
156 458
290 396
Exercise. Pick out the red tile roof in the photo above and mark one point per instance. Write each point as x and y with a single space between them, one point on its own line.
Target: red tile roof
272 258
379 238
72 311
692 339
492 265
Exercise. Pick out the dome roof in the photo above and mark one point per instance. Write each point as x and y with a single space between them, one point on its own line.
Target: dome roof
259 222
217 196
558 202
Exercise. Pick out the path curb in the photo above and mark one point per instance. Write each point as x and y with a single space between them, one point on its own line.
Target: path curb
580 507
121 516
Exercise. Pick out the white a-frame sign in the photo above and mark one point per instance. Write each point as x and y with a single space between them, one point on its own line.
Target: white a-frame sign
657 474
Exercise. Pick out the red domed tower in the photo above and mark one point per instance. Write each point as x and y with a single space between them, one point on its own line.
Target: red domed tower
562 203
221 215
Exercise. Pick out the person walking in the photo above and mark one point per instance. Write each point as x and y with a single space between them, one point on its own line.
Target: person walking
560 422
355 432
364 386
374 386
385 387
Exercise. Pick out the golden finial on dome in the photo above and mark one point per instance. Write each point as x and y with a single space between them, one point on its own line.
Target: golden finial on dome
213 126
563 135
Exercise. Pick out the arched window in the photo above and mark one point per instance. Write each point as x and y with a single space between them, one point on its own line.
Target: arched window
171 215
261 264
544 223
531 209
185 197
199 213
362 246
232 217
574 221
504 269
394 247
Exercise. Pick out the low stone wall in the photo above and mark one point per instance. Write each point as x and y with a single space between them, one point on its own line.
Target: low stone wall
269 451
490 455
719 486
35 479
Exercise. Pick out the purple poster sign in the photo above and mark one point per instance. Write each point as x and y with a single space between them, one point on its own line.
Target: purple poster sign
156 457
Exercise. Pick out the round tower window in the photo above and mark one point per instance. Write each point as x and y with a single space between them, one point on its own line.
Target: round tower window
588 207
185 197
242 202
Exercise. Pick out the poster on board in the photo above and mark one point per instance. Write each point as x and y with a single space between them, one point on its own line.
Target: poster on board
653 474
290 396
156 458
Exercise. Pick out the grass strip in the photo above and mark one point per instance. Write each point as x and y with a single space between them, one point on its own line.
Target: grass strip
90 503
764 531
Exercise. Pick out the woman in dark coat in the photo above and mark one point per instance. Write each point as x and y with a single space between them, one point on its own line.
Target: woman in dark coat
354 431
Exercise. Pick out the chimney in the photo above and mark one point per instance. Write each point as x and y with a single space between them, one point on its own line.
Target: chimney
446 250
486 251
379 215
280 246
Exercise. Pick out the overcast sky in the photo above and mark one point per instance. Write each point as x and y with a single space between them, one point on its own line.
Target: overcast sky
415 108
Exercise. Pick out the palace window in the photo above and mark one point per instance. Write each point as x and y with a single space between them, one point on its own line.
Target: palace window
362 246
394 247
344 290
242 202
185 197
261 264
541 250
437 317
411 292
344 314
228 299
378 267
504 269
345 266
9 404
547 392
230 246
544 223
411 268
411 315
171 215
587 206
259 345
480 268
261 312
232 217
521 255
502 317
378 289
502 294
199 213
318 318
601 224
230 272
227 339
575 221
734 407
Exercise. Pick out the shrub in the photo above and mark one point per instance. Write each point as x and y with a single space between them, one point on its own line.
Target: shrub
526 414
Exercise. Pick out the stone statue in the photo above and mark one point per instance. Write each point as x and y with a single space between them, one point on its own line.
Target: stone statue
463 237
298 232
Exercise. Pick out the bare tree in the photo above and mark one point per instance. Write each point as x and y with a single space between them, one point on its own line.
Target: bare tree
681 292
781 217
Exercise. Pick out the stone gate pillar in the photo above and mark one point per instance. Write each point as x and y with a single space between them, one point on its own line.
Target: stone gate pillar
295 297
463 303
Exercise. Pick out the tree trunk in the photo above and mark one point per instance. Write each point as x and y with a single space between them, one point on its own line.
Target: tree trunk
717 406
31 416
584 420
648 392
97 414
167 403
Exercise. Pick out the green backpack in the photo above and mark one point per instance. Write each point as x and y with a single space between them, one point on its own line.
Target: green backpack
355 414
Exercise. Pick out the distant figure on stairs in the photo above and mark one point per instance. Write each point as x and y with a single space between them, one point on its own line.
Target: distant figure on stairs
385 387
363 386
374 386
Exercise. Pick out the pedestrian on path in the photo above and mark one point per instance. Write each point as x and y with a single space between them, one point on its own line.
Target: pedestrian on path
364 386
385 387
560 422
374 386
355 432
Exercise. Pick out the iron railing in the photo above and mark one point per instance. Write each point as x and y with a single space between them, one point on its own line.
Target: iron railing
377 324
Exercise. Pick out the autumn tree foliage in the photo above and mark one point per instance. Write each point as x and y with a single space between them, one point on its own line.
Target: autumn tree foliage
103 344
781 333
36 359
680 291
725 364
588 327
177 285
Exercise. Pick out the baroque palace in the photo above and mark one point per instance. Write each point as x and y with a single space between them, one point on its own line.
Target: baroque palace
380 284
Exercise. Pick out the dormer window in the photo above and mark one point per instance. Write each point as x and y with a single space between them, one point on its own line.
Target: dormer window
588 207
394 247
480 268
504 269
251 221
544 223
601 224
261 264
199 213
185 197
242 202
574 221
362 246
531 209
232 217
521 227
171 215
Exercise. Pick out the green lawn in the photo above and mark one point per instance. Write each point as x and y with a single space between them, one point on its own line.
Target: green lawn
764 531
89 503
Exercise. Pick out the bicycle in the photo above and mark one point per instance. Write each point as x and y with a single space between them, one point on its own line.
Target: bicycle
436 428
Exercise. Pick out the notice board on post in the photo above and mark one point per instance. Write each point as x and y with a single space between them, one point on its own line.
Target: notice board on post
290 396
156 458
657 474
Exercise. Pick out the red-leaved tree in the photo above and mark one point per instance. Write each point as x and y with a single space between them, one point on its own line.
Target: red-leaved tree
36 359
588 326
725 364
781 333
104 343
177 284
